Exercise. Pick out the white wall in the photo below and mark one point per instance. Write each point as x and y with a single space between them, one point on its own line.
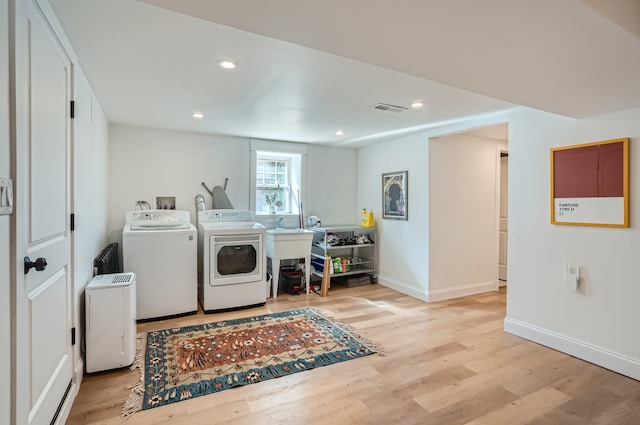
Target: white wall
331 182
90 192
599 321
463 253
145 163
402 246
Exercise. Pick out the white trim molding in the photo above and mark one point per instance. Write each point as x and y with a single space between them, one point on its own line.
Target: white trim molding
462 291
403 288
591 353
298 154
440 294
65 408
278 146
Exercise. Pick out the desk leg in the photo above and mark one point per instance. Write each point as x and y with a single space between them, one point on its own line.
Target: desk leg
275 275
326 277
307 271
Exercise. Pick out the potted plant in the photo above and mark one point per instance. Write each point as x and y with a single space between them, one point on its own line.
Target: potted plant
271 198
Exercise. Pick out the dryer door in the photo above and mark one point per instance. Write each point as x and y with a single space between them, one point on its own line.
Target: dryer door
235 259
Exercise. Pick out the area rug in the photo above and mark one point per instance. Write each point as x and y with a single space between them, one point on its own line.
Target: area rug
182 363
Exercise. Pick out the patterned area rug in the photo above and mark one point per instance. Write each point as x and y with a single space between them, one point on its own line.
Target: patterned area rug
182 363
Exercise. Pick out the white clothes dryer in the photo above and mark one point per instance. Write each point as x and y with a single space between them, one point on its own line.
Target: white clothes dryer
160 247
231 260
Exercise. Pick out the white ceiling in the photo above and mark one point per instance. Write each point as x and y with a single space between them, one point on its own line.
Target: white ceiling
307 69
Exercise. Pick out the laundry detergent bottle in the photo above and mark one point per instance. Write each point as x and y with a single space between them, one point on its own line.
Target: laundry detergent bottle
363 218
367 218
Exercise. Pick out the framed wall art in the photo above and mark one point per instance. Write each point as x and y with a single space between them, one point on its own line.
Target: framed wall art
394 195
590 184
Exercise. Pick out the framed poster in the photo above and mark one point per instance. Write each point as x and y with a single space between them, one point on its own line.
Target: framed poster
394 195
590 184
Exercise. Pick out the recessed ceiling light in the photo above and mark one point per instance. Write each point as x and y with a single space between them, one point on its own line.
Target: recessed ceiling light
417 104
198 115
227 63
340 133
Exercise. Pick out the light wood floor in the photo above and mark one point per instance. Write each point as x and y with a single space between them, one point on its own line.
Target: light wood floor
446 363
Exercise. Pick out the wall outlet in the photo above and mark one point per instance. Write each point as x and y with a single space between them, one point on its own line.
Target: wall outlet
572 276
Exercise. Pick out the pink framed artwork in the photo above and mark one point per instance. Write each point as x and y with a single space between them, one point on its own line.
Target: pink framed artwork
590 184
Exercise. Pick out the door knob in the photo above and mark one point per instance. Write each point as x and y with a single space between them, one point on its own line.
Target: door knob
40 264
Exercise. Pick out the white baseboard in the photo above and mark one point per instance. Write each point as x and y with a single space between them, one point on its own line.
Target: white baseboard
593 354
78 373
438 295
403 288
462 291
65 409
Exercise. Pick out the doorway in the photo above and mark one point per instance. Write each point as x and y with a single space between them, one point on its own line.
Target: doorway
502 183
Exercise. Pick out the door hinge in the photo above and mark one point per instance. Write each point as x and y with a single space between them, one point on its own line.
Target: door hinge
72 109
73 336
72 222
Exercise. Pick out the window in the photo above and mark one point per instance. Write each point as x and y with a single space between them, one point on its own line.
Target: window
273 184
277 177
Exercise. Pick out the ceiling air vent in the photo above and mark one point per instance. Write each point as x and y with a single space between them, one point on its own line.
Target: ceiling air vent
389 108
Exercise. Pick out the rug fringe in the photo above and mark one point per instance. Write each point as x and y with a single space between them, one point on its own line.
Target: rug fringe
133 403
351 331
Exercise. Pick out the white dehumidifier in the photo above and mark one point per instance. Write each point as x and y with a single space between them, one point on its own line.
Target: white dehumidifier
110 307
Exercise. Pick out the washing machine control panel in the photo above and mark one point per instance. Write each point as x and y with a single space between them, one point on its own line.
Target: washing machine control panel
157 215
225 215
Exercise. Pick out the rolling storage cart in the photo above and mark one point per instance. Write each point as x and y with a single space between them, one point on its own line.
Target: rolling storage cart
352 244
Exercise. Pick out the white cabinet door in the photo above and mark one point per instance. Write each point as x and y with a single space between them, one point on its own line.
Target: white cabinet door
44 297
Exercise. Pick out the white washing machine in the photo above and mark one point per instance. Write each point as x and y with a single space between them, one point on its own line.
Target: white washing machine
110 311
231 260
160 247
